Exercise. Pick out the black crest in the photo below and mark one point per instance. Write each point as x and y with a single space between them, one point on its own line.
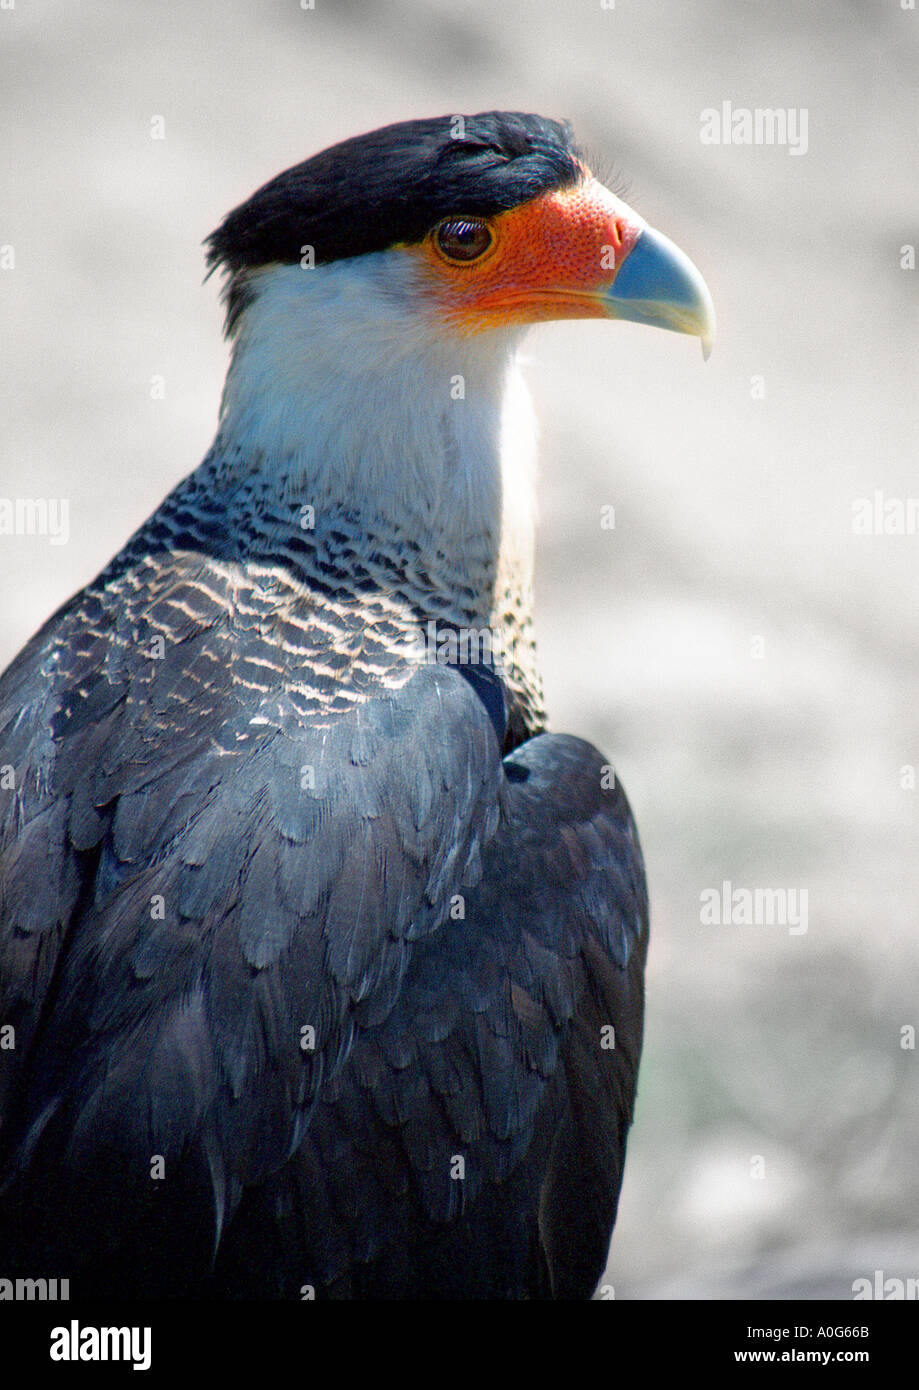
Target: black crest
391 185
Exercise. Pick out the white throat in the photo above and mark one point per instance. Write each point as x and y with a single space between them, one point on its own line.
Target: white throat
347 394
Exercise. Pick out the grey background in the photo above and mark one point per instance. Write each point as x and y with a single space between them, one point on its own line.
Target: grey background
733 514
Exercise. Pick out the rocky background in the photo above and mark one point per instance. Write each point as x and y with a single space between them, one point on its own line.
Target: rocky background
743 654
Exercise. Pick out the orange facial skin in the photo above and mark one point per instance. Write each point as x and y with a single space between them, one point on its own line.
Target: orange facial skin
550 258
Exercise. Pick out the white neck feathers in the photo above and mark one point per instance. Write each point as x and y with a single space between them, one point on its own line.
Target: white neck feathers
348 393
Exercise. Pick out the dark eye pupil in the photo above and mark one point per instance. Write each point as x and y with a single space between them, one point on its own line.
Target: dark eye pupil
463 239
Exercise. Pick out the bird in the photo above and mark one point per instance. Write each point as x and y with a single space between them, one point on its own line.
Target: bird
321 957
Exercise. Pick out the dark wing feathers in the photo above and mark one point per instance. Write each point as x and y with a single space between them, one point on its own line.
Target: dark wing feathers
310 964
496 1036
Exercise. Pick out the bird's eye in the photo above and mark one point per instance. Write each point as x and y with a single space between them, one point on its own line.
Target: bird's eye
462 238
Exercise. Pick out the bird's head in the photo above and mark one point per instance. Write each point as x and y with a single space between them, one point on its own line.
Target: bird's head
375 298
458 224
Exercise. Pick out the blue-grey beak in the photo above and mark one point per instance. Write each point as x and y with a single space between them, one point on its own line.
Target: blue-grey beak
658 284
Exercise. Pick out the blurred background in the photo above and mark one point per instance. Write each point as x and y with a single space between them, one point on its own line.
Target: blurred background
747 660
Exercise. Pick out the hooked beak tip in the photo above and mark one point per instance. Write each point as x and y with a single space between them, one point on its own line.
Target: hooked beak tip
658 284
